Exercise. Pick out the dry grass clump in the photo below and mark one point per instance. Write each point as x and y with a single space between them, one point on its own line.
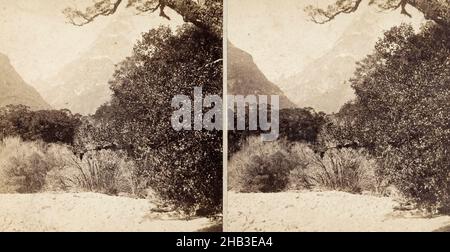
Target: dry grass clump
31 167
281 165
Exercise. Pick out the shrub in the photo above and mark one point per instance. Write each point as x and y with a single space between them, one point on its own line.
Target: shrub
296 125
345 170
425 181
30 167
283 165
50 126
261 167
303 155
23 166
99 171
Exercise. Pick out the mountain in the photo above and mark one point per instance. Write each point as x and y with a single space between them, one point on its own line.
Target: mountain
245 78
323 84
82 85
14 90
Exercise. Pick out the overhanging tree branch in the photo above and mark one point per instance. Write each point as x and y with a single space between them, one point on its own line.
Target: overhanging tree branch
102 8
332 11
435 10
206 14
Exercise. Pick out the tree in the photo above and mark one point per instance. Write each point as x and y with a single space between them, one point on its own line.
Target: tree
435 10
184 167
301 124
51 126
205 14
402 113
295 125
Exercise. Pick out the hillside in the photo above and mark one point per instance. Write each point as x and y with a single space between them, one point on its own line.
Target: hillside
245 78
82 85
14 90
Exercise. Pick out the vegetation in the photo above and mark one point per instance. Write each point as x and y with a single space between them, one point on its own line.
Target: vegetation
32 167
434 10
23 166
184 167
395 132
283 165
296 125
205 14
401 111
50 126
260 167
129 145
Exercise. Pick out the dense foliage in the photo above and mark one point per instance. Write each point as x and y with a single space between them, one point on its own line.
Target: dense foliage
51 126
185 167
402 110
295 125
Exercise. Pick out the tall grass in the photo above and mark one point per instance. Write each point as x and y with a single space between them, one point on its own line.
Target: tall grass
341 169
103 171
30 167
282 165
24 165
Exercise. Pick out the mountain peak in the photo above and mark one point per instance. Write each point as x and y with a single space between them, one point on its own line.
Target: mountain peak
322 84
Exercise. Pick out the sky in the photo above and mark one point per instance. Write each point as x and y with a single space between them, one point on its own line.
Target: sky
281 37
38 40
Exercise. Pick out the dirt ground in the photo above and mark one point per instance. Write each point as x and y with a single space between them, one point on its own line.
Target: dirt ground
88 212
324 211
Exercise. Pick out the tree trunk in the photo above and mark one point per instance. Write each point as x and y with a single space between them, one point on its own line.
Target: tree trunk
436 10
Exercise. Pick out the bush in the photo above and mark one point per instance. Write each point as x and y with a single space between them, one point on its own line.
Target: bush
50 126
425 181
283 165
99 171
31 167
261 167
296 125
23 166
346 170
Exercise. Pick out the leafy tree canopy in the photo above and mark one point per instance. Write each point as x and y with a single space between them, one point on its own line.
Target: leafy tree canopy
402 111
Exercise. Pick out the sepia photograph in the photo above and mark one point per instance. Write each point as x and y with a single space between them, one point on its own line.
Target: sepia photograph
221 123
363 114
86 101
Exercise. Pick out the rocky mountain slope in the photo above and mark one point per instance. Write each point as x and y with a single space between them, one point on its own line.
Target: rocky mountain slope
323 84
82 85
245 78
14 90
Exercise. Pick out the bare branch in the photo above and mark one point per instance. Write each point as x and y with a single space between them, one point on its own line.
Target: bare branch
435 10
340 7
102 8
205 14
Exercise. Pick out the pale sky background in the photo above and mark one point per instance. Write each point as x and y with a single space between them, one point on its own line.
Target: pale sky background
36 37
281 37
38 40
